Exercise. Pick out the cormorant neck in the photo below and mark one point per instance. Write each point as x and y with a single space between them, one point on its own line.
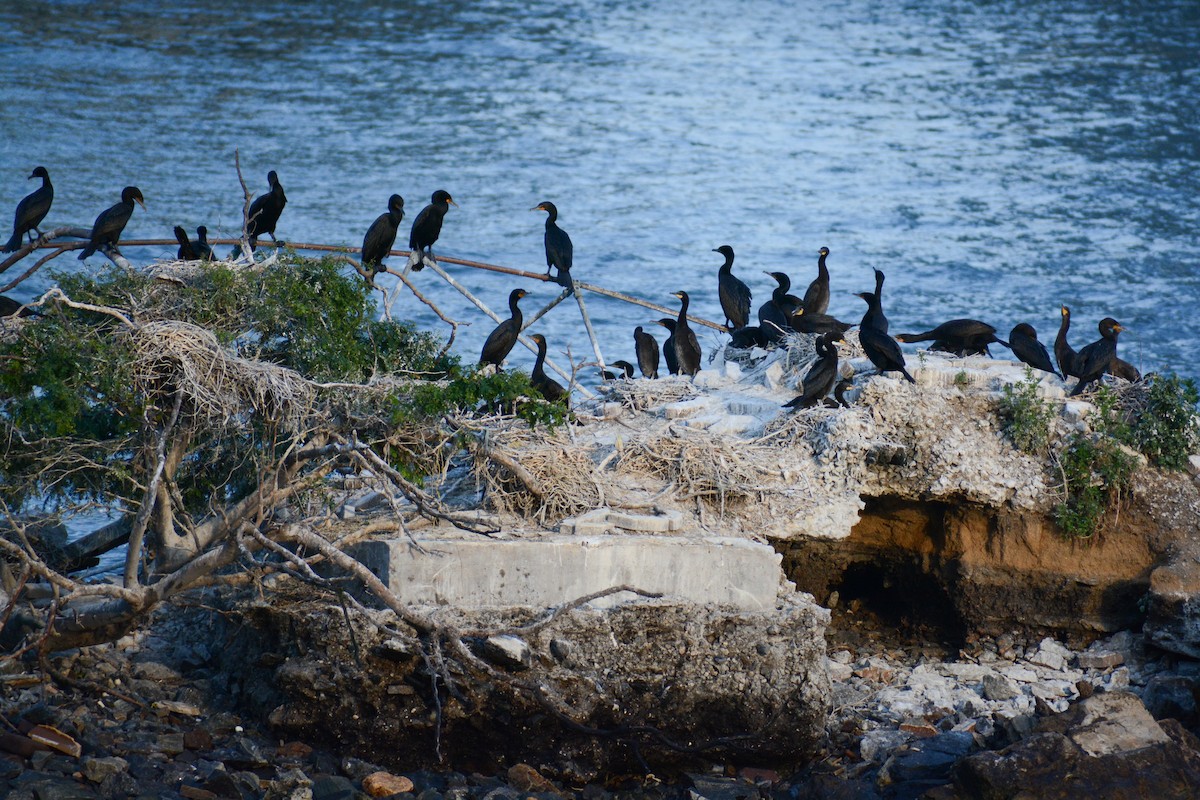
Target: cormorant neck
541 358
822 270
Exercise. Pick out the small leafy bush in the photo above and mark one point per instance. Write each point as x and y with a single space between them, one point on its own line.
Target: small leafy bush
1027 417
1096 473
1167 429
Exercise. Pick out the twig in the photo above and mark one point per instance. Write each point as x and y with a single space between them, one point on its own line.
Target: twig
133 555
244 242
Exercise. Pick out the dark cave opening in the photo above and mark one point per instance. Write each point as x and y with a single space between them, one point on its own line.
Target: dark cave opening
897 594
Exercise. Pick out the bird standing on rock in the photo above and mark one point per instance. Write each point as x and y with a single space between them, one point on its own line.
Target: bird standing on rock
426 229
1097 358
549 388
382 235
501 340
265 211
32 209
106 230
559 251
816 299
1025 346
687 348
647 352
735 295
821 375
880 348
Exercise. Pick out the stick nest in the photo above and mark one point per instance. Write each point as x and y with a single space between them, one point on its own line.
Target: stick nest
540 476
640 394
699 464
218 388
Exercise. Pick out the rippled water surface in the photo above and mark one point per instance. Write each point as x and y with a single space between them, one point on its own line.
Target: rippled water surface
994 158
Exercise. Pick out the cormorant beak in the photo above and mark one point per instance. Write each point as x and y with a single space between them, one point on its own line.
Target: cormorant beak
715 250
450 200
138 200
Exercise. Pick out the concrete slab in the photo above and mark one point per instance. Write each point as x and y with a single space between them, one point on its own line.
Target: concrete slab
550 571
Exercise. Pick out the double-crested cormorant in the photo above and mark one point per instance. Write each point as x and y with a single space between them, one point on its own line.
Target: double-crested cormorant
108 226
669 346
198 250
8 307
872 333
1024 342
1097 358
821 375
501 340
647 352
804 322
549 388
959 337
559 250
426 228
1068 359
816 299
735 295
774 315
1124 370
747 337
265 210
382 235
31 210
626 371
687 348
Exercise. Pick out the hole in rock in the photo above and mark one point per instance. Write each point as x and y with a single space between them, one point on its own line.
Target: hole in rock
899 599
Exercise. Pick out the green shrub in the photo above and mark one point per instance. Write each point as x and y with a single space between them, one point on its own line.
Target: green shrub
1026 416
1096 473
1167 429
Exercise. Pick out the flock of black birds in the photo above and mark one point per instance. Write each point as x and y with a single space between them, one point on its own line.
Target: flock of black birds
779 317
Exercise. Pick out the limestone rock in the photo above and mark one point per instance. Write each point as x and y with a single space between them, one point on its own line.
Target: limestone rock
998 687
1173 611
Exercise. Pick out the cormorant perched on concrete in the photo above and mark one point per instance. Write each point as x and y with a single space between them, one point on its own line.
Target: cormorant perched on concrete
647 352
1097 358
804 322
816 299
1068 359
749 336
31 210
735 295
382 235
549 388
198 250
687 348
106 230
626 371
821 375
1024 342
426 228
774 315
959 337
669 346
872 334
559 250
501 340
265 211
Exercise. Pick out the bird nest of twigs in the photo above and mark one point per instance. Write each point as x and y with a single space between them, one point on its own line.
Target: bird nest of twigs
640 394
699 464
218 388
535 474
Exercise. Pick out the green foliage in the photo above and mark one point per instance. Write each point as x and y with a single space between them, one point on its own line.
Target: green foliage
961 379
1096 472
1167 429
471 390
1027 417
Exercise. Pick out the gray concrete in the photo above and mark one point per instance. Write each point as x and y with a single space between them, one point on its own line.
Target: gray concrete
552 570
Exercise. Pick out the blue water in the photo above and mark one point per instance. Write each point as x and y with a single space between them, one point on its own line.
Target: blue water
995 159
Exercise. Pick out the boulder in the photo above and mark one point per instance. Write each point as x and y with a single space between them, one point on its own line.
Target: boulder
1173 603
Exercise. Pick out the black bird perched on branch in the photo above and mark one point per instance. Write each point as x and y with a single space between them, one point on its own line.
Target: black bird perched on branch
559 250
106 230
426 229
549 388
735 295
8 307
687 348
646 347
669 345
626 371
501 340
382 235
198 250
31 210
872 334
821 375
265 210
816 299
1097 358
960 337
1063 352
1024 342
